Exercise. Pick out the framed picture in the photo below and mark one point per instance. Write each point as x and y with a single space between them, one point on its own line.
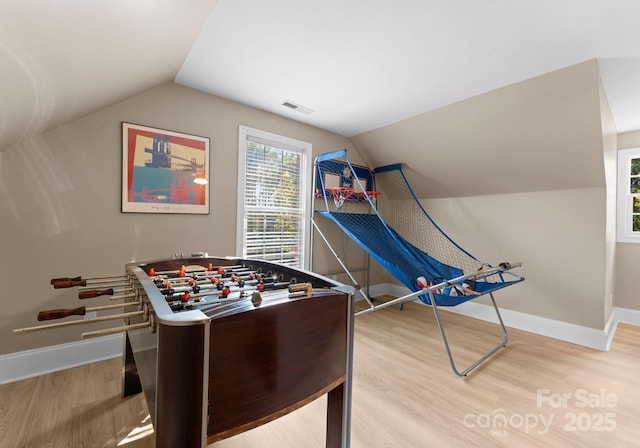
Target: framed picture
164 171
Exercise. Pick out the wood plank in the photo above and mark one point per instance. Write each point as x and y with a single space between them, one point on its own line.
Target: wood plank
404 394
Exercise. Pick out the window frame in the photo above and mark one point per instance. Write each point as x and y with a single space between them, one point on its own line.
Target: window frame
624 218
246 133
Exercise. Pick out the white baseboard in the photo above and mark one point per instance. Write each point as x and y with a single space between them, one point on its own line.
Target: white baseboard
627 316
565 331
30 363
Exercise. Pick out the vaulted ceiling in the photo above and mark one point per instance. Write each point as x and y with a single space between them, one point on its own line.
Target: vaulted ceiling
357 64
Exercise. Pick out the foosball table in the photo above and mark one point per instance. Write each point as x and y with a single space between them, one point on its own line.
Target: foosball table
223 345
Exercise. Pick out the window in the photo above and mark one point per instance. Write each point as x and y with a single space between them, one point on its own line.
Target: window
628 219
273 197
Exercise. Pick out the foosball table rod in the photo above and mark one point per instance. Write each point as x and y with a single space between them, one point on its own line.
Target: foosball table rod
79 322
124 296
80 311
91 293
70 282
295 288
199 270
107 331
209 278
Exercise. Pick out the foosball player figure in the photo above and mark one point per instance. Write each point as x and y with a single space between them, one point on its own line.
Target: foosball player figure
176 307
221 271
152 272
225 292
220 286
195 289
168 291
252 276
210 267
260 285
234 278
182 272
241 286
185 297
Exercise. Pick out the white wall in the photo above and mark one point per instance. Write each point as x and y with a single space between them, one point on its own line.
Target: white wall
60 201
519 174
60 197
552 233
610 165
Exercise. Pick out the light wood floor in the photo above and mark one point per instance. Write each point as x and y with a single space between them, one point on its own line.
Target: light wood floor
405 395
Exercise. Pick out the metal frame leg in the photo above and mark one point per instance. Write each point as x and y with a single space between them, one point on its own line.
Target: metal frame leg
344 267
446 343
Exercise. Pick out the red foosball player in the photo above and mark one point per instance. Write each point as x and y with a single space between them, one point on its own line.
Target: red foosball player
234 278
152 272
210 267
252 276
221 271
260 286
182 272
185 297
225 292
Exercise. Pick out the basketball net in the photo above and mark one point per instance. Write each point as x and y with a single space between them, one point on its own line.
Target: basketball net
340 195
338 199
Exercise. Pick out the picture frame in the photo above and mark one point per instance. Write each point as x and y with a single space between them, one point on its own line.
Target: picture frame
164 171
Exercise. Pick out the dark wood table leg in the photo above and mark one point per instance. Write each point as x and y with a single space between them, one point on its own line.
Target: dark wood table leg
335 417
130 379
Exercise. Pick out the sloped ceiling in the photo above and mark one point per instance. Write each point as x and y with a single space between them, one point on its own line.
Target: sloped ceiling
540 134
362 64
359 64
61 60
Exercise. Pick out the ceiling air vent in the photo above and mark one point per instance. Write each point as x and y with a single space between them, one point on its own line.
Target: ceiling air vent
297 107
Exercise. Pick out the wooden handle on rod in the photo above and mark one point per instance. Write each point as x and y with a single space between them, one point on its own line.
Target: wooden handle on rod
78 278
78 322
65 279
68 284
60 313
81 311
91 293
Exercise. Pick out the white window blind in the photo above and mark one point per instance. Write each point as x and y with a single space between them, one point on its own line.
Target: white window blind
272 197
